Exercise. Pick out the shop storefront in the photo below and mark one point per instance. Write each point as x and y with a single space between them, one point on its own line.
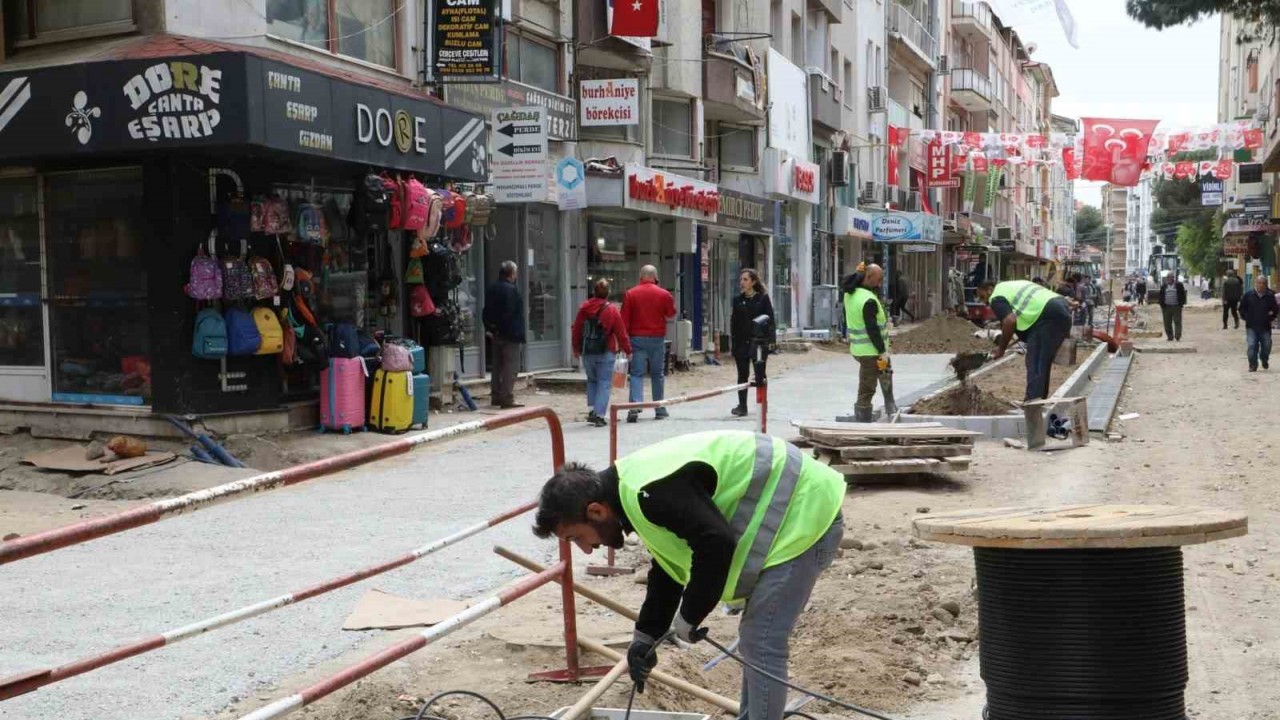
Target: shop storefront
740 238
852 228
794 182
911 247
117 173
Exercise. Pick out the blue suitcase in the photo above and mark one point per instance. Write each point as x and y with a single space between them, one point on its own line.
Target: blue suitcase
421 399
419 356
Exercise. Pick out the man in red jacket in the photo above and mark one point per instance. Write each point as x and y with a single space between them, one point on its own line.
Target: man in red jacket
599 333
645 310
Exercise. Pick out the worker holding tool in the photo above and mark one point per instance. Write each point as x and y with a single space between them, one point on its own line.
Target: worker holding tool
869 341
1039 316
730 516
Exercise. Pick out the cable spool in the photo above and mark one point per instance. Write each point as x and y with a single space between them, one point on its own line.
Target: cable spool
1080 608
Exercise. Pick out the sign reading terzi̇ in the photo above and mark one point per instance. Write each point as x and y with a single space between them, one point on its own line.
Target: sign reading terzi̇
466 39
666 194
484 98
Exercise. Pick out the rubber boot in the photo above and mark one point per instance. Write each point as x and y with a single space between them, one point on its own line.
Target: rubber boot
863 414
886 388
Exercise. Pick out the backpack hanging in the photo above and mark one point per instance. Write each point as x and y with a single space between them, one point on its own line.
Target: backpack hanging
458 217
289 355
205 281
419 247
209 342
270 333
234 219
413 275
310 226
257 214
395 202
420 303
237 281
371 206
264 278
480 207
242 332
417 204
275 216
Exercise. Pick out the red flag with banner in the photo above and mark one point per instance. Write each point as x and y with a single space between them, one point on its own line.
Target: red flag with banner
634 18
979 162
895 146
1069 163
1253 139
1115 150
940 170
1183 170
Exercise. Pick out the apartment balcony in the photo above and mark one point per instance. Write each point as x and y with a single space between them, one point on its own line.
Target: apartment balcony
911 33
973 20
971 89
729 90
825 100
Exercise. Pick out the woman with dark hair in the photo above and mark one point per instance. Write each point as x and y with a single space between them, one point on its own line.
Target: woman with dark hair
598 334
750 304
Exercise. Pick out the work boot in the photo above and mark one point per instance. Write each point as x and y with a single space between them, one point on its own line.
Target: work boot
661 414
863 414
886 387
739 411
633 415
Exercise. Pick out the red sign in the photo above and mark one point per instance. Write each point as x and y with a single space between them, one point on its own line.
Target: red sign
940 174
1115 150
662 191
804 179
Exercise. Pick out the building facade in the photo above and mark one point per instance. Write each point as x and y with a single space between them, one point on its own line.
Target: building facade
1115 216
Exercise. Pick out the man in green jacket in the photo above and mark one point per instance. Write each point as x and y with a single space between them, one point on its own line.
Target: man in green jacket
730 516
868 325
1039 316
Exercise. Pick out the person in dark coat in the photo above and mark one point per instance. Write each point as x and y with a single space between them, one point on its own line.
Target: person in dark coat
505 328
1232 291
750 304
901 294
1172 296
1259 309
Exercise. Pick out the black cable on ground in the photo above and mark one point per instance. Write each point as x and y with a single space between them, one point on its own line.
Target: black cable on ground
1082 634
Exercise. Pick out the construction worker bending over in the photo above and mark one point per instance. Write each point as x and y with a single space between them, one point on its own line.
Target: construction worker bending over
1040 317
869 342
727 515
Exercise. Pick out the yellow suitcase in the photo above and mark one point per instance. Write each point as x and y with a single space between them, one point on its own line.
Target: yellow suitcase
391 407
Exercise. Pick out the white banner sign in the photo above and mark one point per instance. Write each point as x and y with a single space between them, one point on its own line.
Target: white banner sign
518 166
609 102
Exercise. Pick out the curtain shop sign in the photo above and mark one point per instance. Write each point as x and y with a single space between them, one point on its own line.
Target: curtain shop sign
662 193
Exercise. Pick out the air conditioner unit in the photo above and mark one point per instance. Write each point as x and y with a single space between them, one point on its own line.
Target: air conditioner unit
839 169
878 98
871 194
944 65
1004 234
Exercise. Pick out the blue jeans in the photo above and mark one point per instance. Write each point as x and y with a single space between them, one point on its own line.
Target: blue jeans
772 610
1259 346
648 354
599 380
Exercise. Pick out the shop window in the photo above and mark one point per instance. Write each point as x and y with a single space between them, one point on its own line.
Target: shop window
612 256
737 147
97 287
28 20
673 128
543 274
21 312
533 62
364 30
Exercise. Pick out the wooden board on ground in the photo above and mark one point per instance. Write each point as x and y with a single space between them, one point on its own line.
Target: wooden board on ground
1165 349
882 452
853 426
1082 526
935 436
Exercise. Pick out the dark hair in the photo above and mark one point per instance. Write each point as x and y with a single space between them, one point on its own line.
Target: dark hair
600 289
565 497
987 284
755 279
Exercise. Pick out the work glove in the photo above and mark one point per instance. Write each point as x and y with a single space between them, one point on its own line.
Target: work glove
641 658
882 363
685 630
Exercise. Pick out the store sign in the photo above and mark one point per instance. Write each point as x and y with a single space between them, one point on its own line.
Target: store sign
519 154
748 213
789 126
662 193
1211 192
1235 245
917 248
562 111
466 38
609 102
571 184
852 222
907 227
790 177
1246 225
941 172
176 100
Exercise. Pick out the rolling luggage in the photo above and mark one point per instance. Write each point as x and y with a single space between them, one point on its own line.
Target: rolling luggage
421 399
392 407
342 400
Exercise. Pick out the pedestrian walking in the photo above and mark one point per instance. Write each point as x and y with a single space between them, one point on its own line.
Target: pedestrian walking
505 327
901 294
869 342
1259 308
690 500
1172 297
646 308
1141 290
1232 292
598 335
750 304
1042 319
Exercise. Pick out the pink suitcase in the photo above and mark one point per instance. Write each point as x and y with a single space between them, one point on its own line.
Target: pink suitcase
342 395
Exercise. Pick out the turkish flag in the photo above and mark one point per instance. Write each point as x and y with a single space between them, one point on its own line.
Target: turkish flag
1184 170
1253 138
1116 149
896 137
1069 163
1223 169
634 18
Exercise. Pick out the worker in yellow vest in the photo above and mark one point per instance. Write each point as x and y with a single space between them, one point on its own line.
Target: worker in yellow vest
1040 317
730 516
868 325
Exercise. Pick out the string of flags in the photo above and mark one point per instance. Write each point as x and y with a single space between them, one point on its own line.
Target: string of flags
1119 151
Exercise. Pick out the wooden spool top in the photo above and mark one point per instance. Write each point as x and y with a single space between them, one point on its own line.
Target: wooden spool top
1082 526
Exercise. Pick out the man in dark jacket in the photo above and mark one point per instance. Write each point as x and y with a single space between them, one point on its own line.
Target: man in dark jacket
1232 291
1258 306
1172 296
504 326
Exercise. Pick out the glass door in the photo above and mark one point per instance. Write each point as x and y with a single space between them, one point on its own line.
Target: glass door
24 373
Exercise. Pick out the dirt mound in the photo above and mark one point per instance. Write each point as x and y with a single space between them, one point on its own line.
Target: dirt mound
963 400
940 334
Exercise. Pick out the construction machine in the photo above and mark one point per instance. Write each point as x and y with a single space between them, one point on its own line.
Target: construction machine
1160 264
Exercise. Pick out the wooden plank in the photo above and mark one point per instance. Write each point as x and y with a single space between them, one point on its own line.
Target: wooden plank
894 430
833 439
828 425
801 443
881 452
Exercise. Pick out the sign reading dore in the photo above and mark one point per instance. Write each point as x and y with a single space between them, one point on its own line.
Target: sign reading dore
176 100
466 38
655 191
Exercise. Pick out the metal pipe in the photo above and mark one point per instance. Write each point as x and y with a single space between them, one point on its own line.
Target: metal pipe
76 533
408 646
720 701
585 702
33 680
582 590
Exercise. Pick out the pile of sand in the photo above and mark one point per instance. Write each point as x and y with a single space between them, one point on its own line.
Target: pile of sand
965 399
939 334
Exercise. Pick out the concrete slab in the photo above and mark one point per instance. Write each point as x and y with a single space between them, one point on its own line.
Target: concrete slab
1174 348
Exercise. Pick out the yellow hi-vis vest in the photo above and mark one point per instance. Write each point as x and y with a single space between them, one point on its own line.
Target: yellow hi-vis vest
1026 298
860 344
778 500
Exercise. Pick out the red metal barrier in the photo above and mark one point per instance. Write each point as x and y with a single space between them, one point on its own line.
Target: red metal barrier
76 533
762 399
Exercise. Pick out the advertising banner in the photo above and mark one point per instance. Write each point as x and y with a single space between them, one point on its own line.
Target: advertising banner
466 39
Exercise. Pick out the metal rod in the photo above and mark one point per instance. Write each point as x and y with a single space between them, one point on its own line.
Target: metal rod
674 683
76 533
585 702
585 592
371 664
33 680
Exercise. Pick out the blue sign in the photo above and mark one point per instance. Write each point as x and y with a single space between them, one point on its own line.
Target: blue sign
571 186
907 227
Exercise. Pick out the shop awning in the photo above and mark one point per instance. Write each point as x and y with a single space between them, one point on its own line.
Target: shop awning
169 92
